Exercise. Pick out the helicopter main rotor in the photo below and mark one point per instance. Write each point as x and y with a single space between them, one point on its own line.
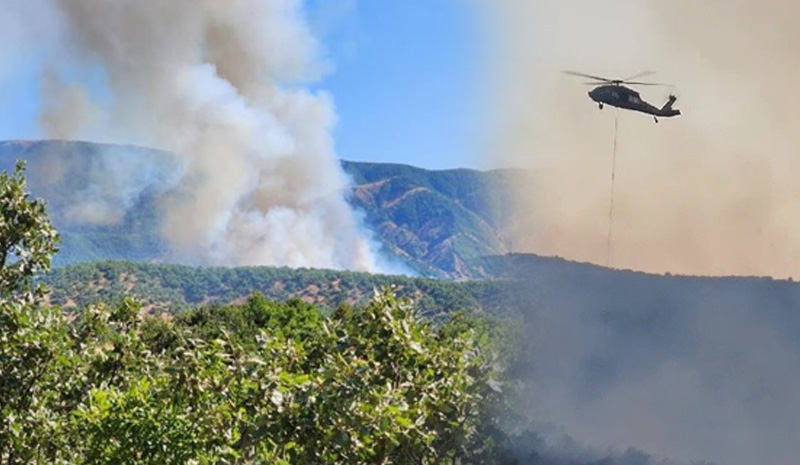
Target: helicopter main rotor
617 82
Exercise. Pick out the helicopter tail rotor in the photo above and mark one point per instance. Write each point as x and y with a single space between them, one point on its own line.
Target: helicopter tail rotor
670 101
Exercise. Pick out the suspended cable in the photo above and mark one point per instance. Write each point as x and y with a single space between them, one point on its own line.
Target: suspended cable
611 202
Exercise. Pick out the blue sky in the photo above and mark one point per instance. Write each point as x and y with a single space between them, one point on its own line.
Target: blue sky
405 80
20 103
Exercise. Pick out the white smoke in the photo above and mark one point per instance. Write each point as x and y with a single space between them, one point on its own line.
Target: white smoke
225 86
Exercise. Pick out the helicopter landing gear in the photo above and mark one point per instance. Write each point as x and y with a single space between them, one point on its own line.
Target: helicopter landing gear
600 105
655 118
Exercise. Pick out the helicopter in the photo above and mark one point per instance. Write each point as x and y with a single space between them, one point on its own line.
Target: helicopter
614 93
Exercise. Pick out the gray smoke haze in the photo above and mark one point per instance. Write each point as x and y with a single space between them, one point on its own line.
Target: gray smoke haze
710 192
69 108
94 185
224 85
553 447
685 369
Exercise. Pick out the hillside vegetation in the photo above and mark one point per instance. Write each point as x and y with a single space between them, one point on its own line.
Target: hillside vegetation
176 287
437 221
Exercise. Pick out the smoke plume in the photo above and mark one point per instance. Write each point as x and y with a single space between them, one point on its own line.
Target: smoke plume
225 86
710 192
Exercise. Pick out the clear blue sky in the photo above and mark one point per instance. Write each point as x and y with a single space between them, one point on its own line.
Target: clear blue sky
405 81
19 102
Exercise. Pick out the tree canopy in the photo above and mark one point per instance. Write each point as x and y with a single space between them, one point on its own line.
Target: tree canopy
27 238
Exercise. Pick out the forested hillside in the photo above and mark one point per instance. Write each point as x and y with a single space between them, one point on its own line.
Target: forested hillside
439 221
173 287
107 203
103 199
555 284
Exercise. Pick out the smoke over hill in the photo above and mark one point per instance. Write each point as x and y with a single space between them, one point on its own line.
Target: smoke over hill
683 368
224 86
707 372
709 193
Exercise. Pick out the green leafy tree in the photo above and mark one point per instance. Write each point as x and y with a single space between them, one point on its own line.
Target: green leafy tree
366 385
31 337
27 238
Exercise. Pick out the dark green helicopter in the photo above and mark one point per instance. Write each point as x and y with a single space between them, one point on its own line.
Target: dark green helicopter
614 93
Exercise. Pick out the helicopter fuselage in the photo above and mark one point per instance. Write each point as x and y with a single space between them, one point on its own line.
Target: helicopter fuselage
620 96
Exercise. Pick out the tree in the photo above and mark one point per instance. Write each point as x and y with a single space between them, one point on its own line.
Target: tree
373 384
31 337
27 238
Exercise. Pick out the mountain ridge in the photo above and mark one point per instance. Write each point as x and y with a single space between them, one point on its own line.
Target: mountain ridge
433 222
390 196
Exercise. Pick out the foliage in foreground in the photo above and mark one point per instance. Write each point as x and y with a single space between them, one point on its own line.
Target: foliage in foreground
366 385
27 237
